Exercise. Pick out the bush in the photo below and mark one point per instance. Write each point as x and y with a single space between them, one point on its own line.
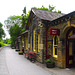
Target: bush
2 44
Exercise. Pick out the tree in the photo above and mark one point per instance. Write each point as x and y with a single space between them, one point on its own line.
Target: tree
24 19
12 20
1 31
14 32
7 41
13 24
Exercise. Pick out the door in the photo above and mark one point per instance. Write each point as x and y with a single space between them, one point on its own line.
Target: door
69 54
74 53
70 48
70 60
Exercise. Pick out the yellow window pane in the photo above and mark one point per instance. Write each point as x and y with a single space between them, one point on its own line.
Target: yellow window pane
70 48
55 46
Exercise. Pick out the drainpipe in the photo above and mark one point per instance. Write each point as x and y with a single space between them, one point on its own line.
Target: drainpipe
46 42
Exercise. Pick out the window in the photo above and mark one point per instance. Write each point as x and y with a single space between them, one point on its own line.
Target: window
55 42
34 39
38 41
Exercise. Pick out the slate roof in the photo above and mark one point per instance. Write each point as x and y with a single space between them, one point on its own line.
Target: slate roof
46 15
25 32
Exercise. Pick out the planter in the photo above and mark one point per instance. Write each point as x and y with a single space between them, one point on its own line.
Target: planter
13 47
17 50
50 65
20 53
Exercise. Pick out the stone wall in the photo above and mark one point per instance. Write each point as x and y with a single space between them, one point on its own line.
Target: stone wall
37 24
64 26
61 49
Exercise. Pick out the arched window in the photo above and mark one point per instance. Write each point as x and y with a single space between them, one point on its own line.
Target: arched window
55 44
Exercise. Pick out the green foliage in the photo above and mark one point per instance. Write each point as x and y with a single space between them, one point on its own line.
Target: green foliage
24 20
59 11
12 20
14 17
50 8
2 43
49 61
24 11
1 30
7 41
14 32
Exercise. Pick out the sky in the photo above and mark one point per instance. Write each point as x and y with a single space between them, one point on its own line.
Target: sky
15 7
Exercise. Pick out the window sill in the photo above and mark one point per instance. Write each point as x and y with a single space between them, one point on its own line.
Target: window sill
55 57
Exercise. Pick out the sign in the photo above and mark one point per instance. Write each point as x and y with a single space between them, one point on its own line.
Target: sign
54 31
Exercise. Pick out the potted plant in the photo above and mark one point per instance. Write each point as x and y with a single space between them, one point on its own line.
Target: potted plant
17 50
50 63
13 47
20 52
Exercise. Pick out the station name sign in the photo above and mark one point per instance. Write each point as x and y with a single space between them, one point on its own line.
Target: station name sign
54 31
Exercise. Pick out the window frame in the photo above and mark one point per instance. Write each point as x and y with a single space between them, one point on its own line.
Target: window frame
55 45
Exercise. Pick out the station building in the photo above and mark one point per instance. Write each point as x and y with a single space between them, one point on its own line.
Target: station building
51 34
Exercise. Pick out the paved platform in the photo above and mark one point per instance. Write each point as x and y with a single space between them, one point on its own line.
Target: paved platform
13 64
3 65
57 71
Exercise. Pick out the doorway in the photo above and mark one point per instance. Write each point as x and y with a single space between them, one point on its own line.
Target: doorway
70 48
74 53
